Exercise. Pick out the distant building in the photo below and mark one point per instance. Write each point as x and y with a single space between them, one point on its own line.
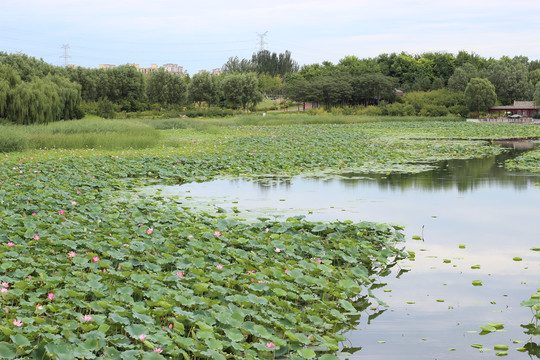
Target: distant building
521 108
106 66
148 70
173 69
216 71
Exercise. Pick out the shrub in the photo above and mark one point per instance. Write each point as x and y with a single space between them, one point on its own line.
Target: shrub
105 108
433 110
371 110
395 109
460 110
409 110
316 111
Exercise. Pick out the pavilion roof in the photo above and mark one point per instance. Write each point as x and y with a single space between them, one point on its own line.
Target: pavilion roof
518 105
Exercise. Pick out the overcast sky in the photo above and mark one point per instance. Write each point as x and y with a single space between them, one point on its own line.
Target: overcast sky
203 34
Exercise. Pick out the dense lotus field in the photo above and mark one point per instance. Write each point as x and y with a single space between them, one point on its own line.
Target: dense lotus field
89 268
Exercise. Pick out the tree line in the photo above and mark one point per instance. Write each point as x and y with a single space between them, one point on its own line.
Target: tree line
354 81
32 91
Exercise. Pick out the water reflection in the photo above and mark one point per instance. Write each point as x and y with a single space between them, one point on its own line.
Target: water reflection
464 175
475 219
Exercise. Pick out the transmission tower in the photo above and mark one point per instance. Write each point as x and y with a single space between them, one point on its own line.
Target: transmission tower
261 40
65 56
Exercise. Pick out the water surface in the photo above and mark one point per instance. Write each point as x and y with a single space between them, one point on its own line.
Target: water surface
467 212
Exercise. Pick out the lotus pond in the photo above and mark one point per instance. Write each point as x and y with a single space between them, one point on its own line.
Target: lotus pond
92 266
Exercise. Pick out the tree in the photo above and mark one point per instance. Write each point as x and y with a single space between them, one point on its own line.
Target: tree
165 88
370 89
511 80
270 85
355 66
204 87
124 83
235 65
480 95
534 77
537 96
240 90
461 77
298 90
332 90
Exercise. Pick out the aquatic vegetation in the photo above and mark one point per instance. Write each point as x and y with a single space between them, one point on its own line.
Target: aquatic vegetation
89 272
91 268
529 162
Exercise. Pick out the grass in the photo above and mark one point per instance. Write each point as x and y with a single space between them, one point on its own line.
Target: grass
77 134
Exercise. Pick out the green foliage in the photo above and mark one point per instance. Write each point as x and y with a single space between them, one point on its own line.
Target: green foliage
480 94
461 77
271 85
11 140
105 109
40 100
204 87
263 62
166 88
537 96
241 90
534 77
511 80
433 111
28 67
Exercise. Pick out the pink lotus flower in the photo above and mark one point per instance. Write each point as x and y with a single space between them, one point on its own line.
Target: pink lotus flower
217 233
10 244
261 281
190 237
39 307
277 250
170 326
72 254
36 237
18 323
7 310
3 290
73 202
158 350
61 212
180 273
95 259
270 345
319 261
142 337
51 296
267 229
34 214
219 267
149 231
4 285
86 318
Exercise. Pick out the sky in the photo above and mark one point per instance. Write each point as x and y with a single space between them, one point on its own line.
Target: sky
204 34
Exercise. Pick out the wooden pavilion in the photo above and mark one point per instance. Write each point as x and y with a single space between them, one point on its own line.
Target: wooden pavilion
525 109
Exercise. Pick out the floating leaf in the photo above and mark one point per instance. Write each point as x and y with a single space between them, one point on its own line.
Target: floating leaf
7 351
